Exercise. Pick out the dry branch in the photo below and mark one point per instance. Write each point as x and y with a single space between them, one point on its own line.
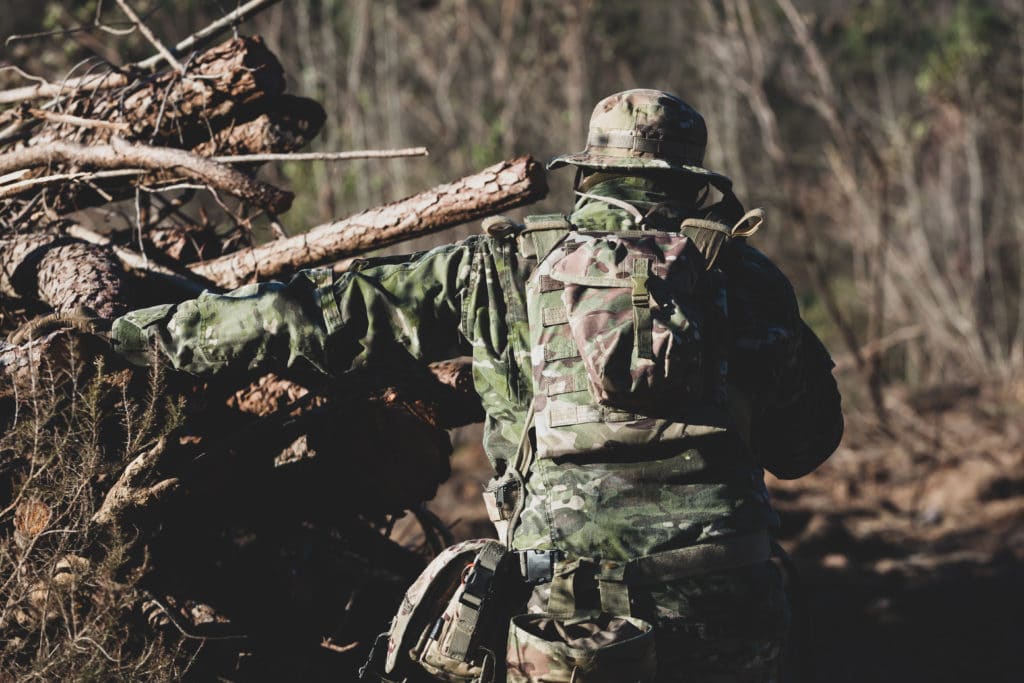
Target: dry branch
120 154
500 187
204 35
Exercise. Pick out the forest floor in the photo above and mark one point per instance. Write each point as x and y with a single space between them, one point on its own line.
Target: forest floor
909 541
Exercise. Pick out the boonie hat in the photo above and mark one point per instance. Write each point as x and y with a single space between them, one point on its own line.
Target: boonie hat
645 129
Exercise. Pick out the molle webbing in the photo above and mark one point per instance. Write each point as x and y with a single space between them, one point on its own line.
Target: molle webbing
615 579
542 233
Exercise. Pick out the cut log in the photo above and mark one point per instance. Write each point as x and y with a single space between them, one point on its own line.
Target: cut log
222 83
498 188
64 274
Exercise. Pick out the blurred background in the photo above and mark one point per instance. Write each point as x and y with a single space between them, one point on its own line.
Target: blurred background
884 138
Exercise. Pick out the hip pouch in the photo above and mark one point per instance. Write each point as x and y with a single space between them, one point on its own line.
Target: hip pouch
453 621
604 649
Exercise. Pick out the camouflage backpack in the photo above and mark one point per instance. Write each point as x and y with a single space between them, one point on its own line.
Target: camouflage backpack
626 333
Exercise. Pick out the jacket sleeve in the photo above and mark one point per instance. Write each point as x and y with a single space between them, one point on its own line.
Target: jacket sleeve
777 361
408 305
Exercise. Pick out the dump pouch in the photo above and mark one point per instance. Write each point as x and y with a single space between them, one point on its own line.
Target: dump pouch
604 649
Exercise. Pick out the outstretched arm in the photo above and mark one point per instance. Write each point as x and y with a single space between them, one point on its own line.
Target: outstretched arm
407 305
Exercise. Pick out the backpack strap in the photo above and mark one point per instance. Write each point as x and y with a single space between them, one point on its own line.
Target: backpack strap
709 235
542 233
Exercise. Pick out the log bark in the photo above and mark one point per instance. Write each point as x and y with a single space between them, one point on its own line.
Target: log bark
287 123
498 188
223 83
63 273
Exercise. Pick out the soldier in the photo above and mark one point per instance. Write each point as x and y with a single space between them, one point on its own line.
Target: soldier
637 505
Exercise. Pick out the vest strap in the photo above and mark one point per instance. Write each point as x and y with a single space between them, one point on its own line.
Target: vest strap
542 233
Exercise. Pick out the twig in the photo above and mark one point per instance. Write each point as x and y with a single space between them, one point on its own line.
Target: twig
84 83
324 156
117 80
78 120
151 37
120 154
213 30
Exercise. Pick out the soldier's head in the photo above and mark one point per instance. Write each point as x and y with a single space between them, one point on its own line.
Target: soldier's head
648 133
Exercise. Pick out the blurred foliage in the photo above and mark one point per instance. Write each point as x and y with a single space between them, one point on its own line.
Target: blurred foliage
906 142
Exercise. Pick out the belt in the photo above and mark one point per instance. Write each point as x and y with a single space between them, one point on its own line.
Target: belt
614 578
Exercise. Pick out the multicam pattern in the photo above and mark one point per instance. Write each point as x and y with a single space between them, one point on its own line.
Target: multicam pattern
620 342
645 129
469 298
601 650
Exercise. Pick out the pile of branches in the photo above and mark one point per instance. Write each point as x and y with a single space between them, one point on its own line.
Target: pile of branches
247 524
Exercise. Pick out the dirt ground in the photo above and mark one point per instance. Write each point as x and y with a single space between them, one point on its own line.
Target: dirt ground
909 541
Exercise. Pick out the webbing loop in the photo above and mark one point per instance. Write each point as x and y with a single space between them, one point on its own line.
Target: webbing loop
643 324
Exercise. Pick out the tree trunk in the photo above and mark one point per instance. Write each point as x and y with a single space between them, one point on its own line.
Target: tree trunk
500 187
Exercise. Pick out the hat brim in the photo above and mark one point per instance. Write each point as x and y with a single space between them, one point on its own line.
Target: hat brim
603 162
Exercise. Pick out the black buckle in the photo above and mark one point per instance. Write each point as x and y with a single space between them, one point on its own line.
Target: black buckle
538 566
478 582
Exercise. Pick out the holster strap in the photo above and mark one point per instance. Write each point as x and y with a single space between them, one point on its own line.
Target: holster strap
477 591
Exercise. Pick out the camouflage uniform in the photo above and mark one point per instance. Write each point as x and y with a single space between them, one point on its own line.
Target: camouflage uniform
470 299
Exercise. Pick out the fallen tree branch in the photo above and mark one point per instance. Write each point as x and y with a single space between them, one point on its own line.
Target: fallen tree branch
323 156
63 274
213 30
81 84
500 187
120 154
55 117
151 37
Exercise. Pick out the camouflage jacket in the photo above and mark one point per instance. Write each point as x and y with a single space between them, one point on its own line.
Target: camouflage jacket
469 299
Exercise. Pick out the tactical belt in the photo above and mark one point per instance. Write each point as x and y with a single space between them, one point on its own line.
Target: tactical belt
614 579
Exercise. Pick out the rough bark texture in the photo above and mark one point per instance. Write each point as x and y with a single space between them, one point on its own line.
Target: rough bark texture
500 187
63 274
287 123
167 109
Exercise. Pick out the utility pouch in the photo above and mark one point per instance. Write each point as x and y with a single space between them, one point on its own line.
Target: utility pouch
453 620
603 649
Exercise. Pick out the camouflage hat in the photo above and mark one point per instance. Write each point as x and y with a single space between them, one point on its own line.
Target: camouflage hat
649 129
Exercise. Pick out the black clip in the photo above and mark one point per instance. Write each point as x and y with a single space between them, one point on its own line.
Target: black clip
538 566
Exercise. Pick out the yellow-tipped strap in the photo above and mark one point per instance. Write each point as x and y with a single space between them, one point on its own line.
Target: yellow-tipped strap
749 224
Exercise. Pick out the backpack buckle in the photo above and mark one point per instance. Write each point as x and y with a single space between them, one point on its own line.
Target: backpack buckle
538 566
